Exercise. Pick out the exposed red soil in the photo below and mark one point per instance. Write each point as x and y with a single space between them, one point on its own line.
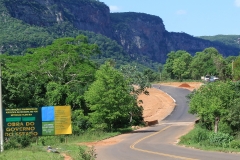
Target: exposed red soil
157 105
188 85
66 157
184 85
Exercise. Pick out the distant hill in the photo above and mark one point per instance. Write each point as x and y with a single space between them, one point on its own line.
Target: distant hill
229 40
125 37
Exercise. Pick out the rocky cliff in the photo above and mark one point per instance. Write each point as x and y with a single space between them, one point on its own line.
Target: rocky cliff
83 14
143 34
138 33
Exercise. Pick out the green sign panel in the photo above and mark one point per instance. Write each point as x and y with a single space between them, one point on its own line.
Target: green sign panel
50 120
22 121
48 128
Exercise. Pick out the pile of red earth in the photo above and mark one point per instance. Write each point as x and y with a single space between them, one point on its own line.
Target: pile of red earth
184 85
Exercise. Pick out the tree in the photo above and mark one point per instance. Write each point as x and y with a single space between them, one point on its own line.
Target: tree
109 99
168 66
207 62
236 68
221 66
54 75
212 103
137 81
151 75
198 65
177 64
181 65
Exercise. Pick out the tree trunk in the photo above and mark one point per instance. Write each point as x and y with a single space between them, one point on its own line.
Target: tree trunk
130 113
217 119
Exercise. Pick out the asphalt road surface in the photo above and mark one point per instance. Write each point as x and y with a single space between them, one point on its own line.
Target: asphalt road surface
158 142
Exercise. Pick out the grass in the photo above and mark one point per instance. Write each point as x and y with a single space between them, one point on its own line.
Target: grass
29 153
71 146
200 138
210 148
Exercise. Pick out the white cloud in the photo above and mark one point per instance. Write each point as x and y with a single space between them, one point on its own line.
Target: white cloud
181 12
237 3
114 8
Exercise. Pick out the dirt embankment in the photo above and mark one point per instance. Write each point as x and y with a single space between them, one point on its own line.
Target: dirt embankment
157 105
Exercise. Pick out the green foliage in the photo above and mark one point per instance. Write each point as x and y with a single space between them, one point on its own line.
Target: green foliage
54 75
109 99
168 66
236 68
224 127
235 144
152 76
80 122
18 141
211 101
220 139
229 40
221 100
111 50
204 138
137 81
51 140
197 135
181 65
16 36
89 154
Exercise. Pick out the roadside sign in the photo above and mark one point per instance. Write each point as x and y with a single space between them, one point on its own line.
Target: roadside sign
48 120
22 121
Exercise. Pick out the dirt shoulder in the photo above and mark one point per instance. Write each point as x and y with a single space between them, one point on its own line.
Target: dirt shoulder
156 106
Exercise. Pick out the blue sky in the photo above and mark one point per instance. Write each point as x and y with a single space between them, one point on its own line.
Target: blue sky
194 17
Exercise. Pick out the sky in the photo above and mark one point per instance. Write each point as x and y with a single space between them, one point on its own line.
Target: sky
194 17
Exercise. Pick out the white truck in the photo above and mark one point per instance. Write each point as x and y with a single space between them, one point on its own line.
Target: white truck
208 78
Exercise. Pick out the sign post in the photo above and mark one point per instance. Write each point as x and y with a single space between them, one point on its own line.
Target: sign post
1 113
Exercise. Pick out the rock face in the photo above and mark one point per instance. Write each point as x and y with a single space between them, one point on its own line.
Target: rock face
138 33
88 15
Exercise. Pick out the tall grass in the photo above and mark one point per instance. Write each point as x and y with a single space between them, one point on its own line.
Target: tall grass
208 140
70 145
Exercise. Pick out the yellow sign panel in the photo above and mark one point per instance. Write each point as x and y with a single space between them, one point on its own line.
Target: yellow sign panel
63 120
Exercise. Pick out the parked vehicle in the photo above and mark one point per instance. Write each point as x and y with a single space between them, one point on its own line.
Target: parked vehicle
206 78
213 78
209 78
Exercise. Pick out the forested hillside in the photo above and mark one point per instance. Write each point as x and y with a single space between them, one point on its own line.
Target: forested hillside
16 36
137 37
230 40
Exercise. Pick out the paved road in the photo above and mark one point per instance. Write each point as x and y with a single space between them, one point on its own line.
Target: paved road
158 142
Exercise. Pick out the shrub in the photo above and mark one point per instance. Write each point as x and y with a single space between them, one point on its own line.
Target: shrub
87 154
18 141
225 128
80 123
220 139
51 140
235 144
197 135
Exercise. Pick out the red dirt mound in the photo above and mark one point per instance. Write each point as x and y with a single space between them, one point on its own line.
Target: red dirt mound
184 85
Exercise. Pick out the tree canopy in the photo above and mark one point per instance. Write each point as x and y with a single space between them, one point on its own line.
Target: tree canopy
109 99
57 74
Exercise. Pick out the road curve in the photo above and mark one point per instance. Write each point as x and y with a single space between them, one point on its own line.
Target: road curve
158 142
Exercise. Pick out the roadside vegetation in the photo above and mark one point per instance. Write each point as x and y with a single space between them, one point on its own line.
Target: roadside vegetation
103 99
217 107
30 148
